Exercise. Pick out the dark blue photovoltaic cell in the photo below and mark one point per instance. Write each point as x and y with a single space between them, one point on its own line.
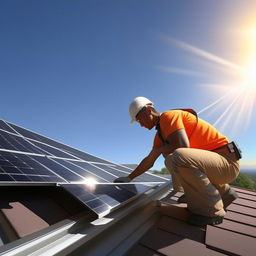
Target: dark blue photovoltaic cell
86 156
102 198
5 144
20 167
60 170
5 127
6 177
17 143
24 132
48 150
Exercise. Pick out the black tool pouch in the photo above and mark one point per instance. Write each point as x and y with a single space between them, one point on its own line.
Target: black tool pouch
237 150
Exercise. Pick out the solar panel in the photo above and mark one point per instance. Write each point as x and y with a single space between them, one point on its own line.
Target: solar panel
30 158
34 137
104 198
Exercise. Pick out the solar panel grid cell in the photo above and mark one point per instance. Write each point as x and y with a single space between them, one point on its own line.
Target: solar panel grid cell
85 156
6 177
109 200
11 169
102 173
17 143
6 127
4 143
21 178
82 171
58 169
24 132
24 168
51 150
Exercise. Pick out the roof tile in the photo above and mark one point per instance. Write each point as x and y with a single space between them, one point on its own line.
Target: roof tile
230 242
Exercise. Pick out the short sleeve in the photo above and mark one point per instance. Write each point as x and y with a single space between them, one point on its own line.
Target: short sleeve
170 122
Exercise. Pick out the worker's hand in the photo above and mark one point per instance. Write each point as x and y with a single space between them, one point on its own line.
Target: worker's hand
122 180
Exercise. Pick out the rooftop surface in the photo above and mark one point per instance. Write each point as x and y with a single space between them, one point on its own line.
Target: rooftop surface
173 236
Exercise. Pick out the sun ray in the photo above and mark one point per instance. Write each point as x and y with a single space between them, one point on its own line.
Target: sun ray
181 71
218 100
236 118
202 53
250 108
240 110
233 110
226 111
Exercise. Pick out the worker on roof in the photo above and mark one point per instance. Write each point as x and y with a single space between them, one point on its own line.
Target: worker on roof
200 159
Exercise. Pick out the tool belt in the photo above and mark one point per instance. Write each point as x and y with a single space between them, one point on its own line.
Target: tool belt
231 147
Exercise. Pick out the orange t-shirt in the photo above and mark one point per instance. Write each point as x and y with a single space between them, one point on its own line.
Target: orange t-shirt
201 134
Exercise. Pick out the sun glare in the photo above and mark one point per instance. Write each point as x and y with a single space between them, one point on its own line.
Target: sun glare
90 183
239 105
234 109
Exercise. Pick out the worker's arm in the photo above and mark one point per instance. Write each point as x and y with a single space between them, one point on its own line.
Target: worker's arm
177 139
146 163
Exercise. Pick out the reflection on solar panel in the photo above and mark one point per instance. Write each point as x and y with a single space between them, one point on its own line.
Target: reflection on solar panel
27 157
103 198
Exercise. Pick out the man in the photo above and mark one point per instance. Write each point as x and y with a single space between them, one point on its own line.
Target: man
200 159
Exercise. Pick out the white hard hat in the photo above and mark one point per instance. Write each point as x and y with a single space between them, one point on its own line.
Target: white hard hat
136 105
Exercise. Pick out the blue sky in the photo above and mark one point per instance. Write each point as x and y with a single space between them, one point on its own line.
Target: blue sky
69 69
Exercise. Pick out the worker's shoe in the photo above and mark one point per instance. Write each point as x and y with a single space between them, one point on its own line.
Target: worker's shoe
200 220
228 197
182 199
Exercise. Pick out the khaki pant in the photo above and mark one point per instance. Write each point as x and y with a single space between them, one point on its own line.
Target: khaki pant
203 176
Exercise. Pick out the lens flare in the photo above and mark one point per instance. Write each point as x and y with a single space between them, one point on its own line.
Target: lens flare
232 110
